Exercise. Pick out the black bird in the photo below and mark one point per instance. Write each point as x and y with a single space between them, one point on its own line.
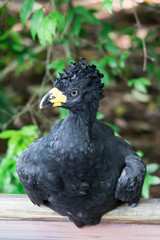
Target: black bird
80 169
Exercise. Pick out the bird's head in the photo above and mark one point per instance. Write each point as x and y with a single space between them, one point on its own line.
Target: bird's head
78 86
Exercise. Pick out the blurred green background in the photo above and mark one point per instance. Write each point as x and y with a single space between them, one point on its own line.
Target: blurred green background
39 38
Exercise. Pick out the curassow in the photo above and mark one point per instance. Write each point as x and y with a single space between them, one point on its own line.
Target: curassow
80 169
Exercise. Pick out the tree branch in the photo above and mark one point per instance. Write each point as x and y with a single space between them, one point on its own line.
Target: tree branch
143 40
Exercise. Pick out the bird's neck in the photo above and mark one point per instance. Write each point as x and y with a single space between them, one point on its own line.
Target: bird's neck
84 118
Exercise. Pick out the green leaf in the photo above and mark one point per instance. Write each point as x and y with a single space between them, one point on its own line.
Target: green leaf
105 31
140 84
121 2
100 116
35 21
154 180
90 18
101 67
47 27
109 4
63 112
30 130
18 141
140 153
69 17
7 134
152 167
77 26
111 47
111 61
58 66
26 10
86 14
115 127
140 87
123 57
60 20
70 60
145 190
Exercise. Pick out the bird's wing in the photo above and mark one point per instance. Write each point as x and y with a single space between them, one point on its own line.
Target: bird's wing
29 184
32 171
132 176
26 169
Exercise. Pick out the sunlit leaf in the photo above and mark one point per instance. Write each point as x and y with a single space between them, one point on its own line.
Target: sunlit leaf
60 20
101 67
7 134
154 180
105 31
100 115
108 4
121 2
18 141
123 57
35 21
26 10
150 180
63 112
145 190
47 29
48 25
70 60
111 61
140 84
140 153
77 26
58 66
69 17
115 127
111 47
86 14
152 167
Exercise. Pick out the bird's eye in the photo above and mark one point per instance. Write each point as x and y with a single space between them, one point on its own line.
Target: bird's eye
74 93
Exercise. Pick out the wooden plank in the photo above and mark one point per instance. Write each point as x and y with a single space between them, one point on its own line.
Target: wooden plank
40 230
19 207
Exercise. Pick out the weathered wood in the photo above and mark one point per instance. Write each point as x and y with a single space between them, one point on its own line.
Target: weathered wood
19 207
38 230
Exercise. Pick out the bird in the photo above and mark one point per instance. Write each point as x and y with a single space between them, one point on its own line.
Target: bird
81 169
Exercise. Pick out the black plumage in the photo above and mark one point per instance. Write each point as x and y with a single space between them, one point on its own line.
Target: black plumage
80 169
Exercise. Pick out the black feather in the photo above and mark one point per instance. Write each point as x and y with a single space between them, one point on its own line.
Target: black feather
80 169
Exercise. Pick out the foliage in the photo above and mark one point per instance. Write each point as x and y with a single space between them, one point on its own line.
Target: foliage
59 65
109 4
46 27
18 140
6 108
26 10
150 180
68 30
111 66
140 84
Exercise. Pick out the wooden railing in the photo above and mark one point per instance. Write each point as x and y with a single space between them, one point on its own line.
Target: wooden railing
20 216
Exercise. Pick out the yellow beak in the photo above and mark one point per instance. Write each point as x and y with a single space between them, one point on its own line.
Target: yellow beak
53 98
57 97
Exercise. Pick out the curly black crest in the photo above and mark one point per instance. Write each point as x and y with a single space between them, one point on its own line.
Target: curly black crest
80 74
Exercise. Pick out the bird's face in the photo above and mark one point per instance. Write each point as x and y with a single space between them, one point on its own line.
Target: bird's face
74 89
69 96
